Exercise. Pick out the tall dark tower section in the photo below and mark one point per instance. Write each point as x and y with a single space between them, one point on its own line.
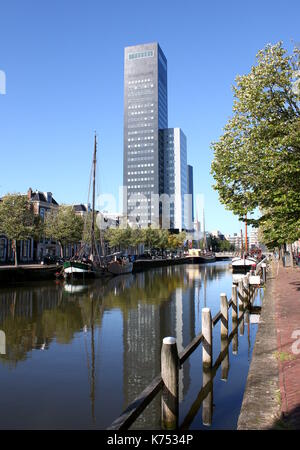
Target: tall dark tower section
145 112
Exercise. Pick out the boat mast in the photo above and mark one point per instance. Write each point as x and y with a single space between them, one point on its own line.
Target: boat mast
242 244
94 189
204 234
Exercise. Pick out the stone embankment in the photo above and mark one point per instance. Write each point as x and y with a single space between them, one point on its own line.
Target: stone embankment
272 395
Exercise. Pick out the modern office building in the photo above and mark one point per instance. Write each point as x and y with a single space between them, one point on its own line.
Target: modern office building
173 141
253 241
145 112
190 187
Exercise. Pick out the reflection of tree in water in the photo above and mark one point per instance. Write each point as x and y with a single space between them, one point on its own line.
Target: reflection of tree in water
152 303
33 316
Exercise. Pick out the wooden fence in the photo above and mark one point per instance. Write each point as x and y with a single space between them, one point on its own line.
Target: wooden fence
167 381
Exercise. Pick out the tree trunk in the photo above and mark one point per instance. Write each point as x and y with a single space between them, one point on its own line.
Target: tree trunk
61 249
16 251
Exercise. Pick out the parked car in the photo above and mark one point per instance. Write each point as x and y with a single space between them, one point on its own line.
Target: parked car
50 259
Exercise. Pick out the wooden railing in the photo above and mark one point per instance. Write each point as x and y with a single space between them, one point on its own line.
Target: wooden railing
167 380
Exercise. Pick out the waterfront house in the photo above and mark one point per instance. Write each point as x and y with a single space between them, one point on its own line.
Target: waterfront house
31 250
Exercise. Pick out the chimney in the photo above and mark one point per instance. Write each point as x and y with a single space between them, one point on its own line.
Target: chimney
48 196
29 193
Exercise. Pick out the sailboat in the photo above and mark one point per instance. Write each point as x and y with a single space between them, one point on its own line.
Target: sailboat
120 266
207 256
81 266
244 263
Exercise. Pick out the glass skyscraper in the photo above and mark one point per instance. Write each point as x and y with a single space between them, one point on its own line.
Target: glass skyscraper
190 186
173 141
145 112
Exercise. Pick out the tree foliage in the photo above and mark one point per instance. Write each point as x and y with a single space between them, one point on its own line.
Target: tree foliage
17 220
257 159
152 238
63 225
87 229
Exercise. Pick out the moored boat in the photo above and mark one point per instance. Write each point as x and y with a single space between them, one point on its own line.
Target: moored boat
243 264
80 269
86 264
208 257
120 267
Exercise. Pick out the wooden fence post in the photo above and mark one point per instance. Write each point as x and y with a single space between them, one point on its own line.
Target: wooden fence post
224 315
207 404
225 361
247 321
246 289
235 343
264 272
241 294
241 308
234 305
234 319
169 374
207 337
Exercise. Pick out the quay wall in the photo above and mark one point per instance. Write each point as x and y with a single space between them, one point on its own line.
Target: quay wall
12 274
261 406
17 274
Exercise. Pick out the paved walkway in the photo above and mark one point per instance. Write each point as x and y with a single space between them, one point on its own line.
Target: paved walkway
287 313
260 408
272 395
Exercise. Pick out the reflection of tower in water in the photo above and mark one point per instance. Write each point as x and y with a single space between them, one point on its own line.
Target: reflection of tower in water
143 330
184 331
141 341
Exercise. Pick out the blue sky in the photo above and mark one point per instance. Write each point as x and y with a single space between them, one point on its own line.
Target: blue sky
63 61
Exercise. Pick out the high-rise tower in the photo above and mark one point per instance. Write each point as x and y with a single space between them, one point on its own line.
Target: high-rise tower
174 144
145 112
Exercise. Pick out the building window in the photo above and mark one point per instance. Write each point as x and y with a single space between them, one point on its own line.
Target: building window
42 213
2 248
138 55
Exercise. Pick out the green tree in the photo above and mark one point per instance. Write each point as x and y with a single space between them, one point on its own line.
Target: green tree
87 229
257 159
163 239
17 220
64 226
176 241
119 238
225 246
137 237
152 237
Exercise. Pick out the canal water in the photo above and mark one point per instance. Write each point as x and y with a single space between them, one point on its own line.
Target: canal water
73 356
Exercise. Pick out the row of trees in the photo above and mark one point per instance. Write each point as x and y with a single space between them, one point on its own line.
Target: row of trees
153 238
217 244
18 222
256 163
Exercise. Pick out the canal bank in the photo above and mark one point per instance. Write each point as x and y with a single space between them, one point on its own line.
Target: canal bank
77 354
22 273
272 395
38 272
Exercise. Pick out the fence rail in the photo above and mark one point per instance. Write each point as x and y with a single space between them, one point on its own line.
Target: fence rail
167 380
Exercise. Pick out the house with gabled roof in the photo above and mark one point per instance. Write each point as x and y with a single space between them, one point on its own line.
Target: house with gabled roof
29 249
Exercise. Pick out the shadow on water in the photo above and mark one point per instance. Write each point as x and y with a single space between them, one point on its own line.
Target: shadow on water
86 350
